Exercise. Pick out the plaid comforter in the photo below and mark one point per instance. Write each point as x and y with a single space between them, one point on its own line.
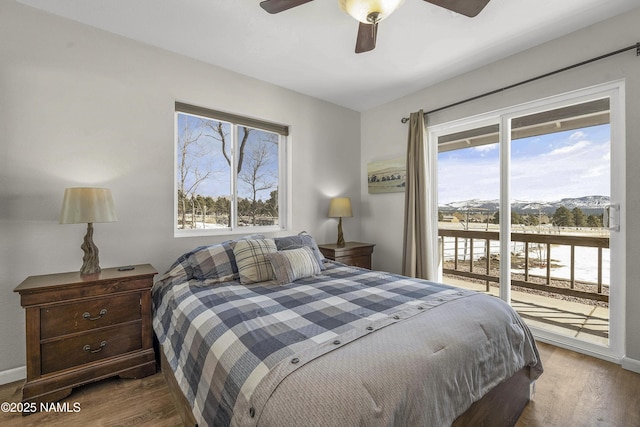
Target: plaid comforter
230 345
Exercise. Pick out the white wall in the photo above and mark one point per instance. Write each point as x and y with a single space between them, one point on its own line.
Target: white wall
79 106
383 136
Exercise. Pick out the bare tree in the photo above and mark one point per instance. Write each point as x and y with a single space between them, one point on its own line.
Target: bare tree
218 133
251 165
190 151
257 175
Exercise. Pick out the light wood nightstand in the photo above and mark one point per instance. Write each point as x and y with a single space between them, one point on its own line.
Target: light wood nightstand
352 253
81 329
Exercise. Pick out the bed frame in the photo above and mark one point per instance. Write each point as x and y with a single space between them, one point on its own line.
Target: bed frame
502 406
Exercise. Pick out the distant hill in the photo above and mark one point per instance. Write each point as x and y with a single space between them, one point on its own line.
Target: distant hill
588 204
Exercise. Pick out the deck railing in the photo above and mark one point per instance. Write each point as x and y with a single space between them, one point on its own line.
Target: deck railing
470 265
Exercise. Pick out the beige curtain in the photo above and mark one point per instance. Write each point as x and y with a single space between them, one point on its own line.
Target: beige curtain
419 239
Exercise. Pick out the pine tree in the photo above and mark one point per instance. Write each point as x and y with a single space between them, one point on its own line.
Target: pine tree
532 219
563 217
594 221
579 219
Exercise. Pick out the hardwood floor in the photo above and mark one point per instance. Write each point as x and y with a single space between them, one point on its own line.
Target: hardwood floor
111 402
575 391
581 391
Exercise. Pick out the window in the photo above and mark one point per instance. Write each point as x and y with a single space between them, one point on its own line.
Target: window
230 173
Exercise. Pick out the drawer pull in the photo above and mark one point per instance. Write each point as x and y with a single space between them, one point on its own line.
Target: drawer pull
87 316
88 349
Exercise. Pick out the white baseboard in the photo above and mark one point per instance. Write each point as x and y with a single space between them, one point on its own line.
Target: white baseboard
12 375
631 364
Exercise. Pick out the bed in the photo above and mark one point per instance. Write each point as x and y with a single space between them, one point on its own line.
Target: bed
265 332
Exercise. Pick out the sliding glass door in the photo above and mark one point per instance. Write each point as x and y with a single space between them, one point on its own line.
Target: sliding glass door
469 206
529 211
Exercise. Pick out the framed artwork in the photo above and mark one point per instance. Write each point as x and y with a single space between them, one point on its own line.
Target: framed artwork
387 176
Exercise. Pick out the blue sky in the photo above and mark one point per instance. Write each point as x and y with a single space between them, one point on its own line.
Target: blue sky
208 157
543 168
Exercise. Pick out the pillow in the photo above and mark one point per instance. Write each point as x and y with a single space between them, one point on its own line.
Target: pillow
301 240
249 237
293 264
251 258
215 263
181 267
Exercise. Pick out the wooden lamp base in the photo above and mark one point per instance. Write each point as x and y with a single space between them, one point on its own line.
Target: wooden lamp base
91 263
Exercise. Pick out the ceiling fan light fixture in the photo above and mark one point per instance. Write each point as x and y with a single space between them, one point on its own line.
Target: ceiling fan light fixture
369 11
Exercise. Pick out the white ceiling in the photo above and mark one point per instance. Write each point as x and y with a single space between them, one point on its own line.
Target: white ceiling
310 48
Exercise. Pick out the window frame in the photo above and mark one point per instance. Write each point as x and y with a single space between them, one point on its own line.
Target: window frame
284 167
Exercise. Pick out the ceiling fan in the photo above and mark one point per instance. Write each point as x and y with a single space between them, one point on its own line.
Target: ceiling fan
371 12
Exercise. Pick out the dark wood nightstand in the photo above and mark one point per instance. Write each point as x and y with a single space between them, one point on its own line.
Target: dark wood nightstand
81 329
352 253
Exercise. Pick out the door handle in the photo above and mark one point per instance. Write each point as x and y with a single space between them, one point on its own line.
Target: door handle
612 217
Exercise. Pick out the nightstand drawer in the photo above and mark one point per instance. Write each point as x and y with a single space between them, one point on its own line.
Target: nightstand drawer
90 346
351 253
88 314
363 261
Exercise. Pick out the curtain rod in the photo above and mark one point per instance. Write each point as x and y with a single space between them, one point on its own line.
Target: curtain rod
579 64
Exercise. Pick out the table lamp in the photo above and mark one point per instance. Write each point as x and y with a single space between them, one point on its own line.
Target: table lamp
340 207
88 205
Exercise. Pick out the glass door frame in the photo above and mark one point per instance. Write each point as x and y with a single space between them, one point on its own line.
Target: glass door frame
615 92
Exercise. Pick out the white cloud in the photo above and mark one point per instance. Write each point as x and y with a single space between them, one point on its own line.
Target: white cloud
577 135
485 148
596 171
569 149
579 169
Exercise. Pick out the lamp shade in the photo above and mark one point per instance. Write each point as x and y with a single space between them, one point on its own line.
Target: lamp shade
340 207
87 205
370 11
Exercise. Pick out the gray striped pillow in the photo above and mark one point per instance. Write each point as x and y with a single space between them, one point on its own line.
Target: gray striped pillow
293 264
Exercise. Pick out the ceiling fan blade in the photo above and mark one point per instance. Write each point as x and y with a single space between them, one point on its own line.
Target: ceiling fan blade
468 8
277 6
366 39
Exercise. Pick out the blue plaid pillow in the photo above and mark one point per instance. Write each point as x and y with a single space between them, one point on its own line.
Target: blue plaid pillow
214 263
300 240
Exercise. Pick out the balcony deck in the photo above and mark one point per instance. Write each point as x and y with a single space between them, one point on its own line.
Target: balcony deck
582 321
567 306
